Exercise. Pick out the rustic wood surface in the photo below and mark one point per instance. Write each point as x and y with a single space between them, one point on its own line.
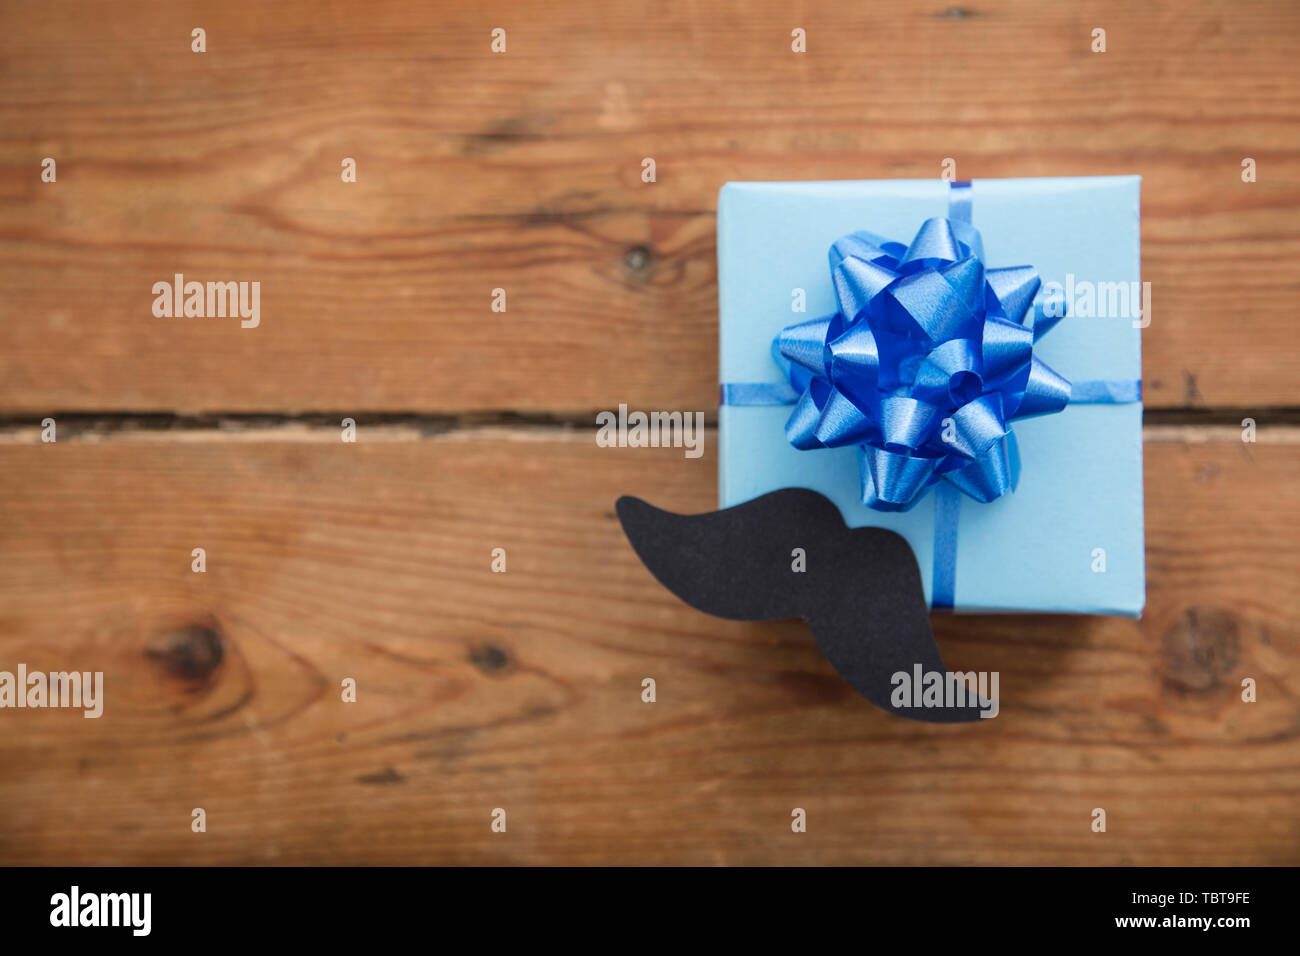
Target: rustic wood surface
522 690
371 560
522 171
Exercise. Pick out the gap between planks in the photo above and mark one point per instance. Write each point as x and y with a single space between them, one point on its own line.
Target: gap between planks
1190 426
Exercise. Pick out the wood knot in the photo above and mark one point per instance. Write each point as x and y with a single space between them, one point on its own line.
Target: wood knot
1200 650
191 652
489 658
637 258
387 775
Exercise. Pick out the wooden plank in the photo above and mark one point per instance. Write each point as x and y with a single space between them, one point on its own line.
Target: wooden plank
522 690
521 171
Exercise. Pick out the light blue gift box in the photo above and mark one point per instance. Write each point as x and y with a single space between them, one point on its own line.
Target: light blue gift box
1069 538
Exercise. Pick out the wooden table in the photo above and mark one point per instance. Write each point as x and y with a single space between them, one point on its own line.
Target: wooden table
522 171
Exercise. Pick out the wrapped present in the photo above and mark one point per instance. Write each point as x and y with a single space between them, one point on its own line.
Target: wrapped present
956 362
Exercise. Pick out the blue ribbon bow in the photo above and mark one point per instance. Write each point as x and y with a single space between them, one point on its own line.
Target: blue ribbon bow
925 365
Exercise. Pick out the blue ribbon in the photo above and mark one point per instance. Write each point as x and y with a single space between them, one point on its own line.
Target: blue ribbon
757 393
943 580
924 366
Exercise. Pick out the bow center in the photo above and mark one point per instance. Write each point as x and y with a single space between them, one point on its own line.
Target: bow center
964 387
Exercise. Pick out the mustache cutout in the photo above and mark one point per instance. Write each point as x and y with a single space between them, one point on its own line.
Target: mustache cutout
861 591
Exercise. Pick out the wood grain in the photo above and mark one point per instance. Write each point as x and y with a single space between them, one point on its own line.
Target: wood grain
521 171
522 690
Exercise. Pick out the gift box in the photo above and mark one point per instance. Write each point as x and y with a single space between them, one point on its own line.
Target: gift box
1068 537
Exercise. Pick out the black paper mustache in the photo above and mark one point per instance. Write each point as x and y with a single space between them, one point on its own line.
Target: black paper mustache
861 591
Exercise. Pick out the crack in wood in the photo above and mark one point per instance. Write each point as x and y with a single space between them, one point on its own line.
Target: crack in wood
83 425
